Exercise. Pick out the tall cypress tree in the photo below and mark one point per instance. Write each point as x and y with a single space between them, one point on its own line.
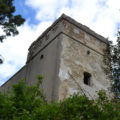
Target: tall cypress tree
112 64
115 53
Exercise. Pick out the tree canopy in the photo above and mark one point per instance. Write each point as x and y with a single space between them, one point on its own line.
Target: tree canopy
115 56
112 64
8 21
25 102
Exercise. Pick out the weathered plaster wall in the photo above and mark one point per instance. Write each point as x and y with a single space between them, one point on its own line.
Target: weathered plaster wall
13 80
75 61
64 47
48 36
86 39
47 66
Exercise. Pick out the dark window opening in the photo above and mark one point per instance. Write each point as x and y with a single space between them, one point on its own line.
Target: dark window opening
87 78
42 56
88 52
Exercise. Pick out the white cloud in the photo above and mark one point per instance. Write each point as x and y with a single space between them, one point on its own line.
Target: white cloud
15 49
46 9
103 16
96 14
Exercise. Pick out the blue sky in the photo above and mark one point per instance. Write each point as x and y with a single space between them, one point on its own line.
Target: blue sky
102 16
26 11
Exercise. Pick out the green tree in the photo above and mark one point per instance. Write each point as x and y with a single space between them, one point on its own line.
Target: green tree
8 21
21 101
25 102
115 55
112 64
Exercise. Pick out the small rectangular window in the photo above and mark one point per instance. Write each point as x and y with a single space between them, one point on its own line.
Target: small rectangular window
87 78
42 56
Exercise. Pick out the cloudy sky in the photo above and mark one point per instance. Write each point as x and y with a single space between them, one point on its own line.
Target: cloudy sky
102 16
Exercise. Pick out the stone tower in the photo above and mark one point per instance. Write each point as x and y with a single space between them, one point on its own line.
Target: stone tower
69 55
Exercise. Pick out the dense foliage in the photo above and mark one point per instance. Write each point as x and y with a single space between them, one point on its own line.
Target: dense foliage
8 21
115 53
112 65
28 103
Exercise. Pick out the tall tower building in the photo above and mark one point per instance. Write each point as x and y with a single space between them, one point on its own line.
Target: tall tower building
69 55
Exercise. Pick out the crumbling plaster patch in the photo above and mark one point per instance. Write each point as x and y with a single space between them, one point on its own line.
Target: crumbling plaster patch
74 61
